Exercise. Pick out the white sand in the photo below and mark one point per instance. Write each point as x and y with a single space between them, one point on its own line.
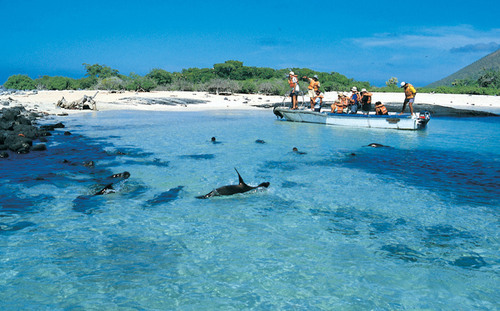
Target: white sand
45 101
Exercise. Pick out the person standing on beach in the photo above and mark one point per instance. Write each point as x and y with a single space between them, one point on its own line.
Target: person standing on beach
366 101
410 93
312 88
294 88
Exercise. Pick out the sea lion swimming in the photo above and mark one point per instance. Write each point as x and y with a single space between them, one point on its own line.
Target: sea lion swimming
295 150
232 189
166 196
109 187
375 145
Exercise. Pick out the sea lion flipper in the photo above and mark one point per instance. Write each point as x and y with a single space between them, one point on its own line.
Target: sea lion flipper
106 189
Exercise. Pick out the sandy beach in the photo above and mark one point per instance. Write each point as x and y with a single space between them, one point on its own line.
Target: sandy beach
45 101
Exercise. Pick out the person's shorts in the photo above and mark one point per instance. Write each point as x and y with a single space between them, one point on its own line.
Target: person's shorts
311 93
410 100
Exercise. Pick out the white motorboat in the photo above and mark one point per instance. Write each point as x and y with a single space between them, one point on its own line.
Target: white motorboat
392 121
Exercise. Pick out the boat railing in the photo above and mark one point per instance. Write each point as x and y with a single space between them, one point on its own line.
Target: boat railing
301 104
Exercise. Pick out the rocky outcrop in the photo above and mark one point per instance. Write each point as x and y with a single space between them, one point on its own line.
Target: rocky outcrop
18 131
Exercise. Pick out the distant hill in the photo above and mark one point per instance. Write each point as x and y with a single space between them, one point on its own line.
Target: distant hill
473 71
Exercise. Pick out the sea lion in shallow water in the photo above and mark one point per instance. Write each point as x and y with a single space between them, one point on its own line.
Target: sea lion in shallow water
232 189
109 187
375 145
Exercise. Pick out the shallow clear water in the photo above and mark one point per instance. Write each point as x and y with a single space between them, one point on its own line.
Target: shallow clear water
344 226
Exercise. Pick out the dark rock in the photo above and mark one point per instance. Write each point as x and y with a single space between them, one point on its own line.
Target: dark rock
51 127
21 148
39 147
67 133
10 114
6 125
26 130
4 155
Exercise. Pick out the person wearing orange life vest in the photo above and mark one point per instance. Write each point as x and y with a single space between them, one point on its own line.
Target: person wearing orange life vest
312 88
338 105
366 101
410 93
344 100
380 109
294 88
318 101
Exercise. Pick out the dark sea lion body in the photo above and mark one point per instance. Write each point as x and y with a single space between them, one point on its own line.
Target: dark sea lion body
232 189
109 187
375 145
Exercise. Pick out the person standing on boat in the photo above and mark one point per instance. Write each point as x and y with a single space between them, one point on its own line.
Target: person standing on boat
318 101
354 100
366 101
410 93
294 88
312 88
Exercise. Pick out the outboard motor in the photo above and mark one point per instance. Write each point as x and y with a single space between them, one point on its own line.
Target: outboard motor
423 118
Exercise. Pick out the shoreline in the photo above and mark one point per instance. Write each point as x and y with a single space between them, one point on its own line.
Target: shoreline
45 101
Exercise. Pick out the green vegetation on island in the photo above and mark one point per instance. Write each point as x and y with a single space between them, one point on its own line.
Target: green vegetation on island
233 77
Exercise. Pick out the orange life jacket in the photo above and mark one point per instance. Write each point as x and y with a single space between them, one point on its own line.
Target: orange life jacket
339 107
313 85
410 91
380 109
344 101
291 82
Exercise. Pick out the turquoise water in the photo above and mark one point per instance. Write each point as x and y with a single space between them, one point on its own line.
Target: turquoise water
342 227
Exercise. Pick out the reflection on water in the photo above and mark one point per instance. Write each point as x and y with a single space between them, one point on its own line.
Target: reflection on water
342 226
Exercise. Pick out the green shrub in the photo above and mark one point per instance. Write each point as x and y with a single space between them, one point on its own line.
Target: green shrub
273 87
19 82
111 83
160 76
140 84
248 87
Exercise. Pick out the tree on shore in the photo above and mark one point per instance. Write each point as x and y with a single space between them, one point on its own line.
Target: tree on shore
19 82
233 76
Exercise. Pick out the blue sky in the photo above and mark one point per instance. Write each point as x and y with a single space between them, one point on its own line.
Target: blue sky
416 41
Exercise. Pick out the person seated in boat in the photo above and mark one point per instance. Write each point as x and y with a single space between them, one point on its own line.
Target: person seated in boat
366 101
380 109
354 100
337 107
345 103
334 105
318 101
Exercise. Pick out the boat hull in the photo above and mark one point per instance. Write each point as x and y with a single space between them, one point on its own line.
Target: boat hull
398 122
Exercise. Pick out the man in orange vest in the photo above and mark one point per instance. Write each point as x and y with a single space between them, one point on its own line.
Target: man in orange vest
312 88
410 93
294 88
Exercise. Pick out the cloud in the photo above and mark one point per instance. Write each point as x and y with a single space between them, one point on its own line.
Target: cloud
462 38
478 47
